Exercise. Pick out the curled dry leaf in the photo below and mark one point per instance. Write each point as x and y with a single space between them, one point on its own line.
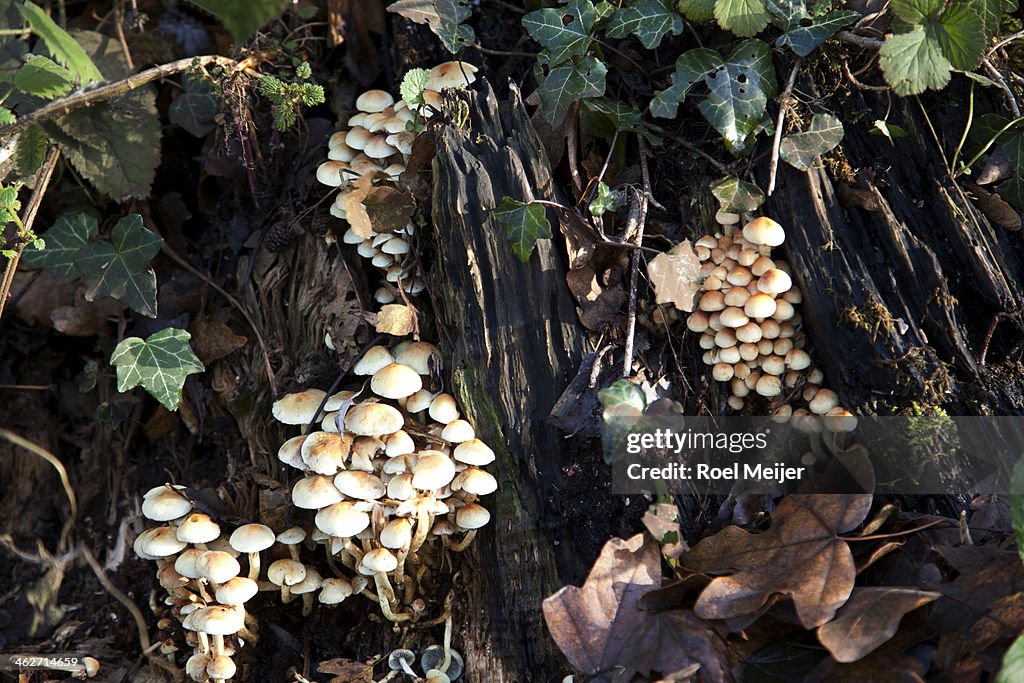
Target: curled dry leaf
870 618
800 556
662 520
675 275
396 319
347 670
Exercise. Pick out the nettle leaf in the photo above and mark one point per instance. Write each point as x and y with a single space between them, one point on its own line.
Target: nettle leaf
737 196
691 68
525 223
564 32
570 83
991 12
7 116
60 44
30 150
242 18
43 77
961 35
444 17
413 84
913 62
648 20
803 32
64 242
159 364
740 89
698 10
195 108
801 149
742 17
120 268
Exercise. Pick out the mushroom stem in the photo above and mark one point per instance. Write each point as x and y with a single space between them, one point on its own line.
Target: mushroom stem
254 566
201 589
218 645
447 660
464 543
204 642
424 520
307 604
383 589
330 561
286 594
400 569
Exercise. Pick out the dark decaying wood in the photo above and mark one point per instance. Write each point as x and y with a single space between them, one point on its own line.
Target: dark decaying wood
512 337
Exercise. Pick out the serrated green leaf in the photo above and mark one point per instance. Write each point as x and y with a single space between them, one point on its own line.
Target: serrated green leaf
64 242
570 83
913 62
42 77
991 12
603 201
444 17
564 32
413 84
1017 505
10 205
621 399
698 10
242 18
648 20
120 268
739 92
737 196
525 223
742 17
7 116
62 46
801 149
961 35
30 150
1012 670
803 32
159 364
691 68
195 108
917 11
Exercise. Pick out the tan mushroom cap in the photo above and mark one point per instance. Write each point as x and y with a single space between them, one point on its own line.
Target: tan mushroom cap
330 173
400 487
397 533
185 564
399 443
161 541
325 452
373 101
839 420
733 317
334 590
219 620
476 481
419 401
217 566
317 491
420 356
252 538
310 582
764 231
378 560
298 408
198 528
338 149
798 359
378 148
451 75
443 408
360 485
290 452
760 306
375 123
373 419
774 281
343 519
458 431
336 400
237 591
163 503
356 139
373 360
768 386
221 668
396 380
402 141
286 572
433 470
824 400
474 452
472 516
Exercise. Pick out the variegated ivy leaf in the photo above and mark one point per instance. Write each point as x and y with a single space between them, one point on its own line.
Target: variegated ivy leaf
648 20
444 17
691 68
159 363
524 223
64 243
737 196
570 83
801 149
563 32
804 32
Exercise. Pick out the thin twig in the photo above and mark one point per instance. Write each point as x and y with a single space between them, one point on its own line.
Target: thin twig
503 53
860 41
42 181
101 576
637 220
87 98
773 167
62 472
857 84
1005 41
998 78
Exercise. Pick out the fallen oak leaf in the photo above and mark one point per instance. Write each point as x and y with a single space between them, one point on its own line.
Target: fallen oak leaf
801 556
870 618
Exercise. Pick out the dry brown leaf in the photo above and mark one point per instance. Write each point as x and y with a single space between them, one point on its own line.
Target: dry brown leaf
671 643
662 520
870 618
347 670
355 212
396 319
213 339
598 306
675 275
800 556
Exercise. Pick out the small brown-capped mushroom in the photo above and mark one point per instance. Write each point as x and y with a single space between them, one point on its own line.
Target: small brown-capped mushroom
290 452
730 355
159 542
400 487
398 444
252 539
395 381
198 529
373 419
725 338
237 591
798 359
735 402
471 517
763 231
419 401
783 311
364 165
195 667
770 329
164 503
433 470
781 347
383 295
334 591
375 123
342 520
711 302
325 452
395 246
382 260
475 481
474 452
823 401
217 567
738 388
299 408
378 148
727 218
762 264
773 365
314 492
359 485
377 563
739 276
451 75
697 321
356 119
747 257
338 150
330 173
402 141
774 281
286 573
782 414
734 317
793 295
357 138
749 334
309 585
373 101
221 668
722 372
760 306
768 386
809 391
736 296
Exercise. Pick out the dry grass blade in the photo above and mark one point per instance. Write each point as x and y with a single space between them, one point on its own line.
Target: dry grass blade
49 457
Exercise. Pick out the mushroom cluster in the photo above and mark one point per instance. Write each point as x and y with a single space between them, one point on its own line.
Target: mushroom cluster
750 328
377 141
387 476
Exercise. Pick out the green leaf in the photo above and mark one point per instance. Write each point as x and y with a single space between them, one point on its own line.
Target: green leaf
564 33
64 243
739 93
620 115
30 150
691 67
159 364
917 11
10 205
698 10
120 268
803 32
195 108
801 149
388 208
737 196
742 17
7 116
991 13
889 130
603 201
648 20
961 35
913 62
1017 505
1012 670
621 399
242 18
413 84
444 17
43 77
62 46
570 83
525 223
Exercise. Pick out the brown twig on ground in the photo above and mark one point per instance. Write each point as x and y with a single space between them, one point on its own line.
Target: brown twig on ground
62 472
773 167
1003 315
994 74
860 41
635 223
42 180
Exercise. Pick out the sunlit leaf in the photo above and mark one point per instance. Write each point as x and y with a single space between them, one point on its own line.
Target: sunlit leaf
413 84
444 17
804 32
30 150
742 17
737 196
242 18
571 83
698 10
159 364
691 68
913 62
675 276
43 77
563 32
525 223
801 149
60 44
648 20
621 399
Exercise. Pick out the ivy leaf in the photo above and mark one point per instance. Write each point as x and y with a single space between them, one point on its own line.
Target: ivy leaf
740 89
603 201
737 196
803 32
620 115
242 18
64 242
413 84
698 10
43 77
525 223
564 32
159 364
913 62
648 20
444 17
801 149
195 108
742 17
120 268
621 399
61 45
30 150
1013 662
570 83
961 35
691 67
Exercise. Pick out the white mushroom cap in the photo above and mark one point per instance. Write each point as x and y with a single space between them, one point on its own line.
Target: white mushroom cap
373 101
356 119
334 590
286 572
798 359
292 536
310 583
458 431
336 400
768 386
237 591
373 360
163 503
252 538
160 541
400 487
764 231
198 528
420 356
476 481
342 519
402 141
217 566
774 281
433 470
444 409
760 306
221 668
195 667
330 174
290 452
317 491
378 148
219 620
472 516
325 452
298 408
399 443
357 138
451 75
397 533
396 380
373 419
840 420
474 452
359 484
338 150
419 401
185 564
378 560
824 400
376 122
395 246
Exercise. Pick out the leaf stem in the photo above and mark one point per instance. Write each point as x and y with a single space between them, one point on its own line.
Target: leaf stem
963 138
988 145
